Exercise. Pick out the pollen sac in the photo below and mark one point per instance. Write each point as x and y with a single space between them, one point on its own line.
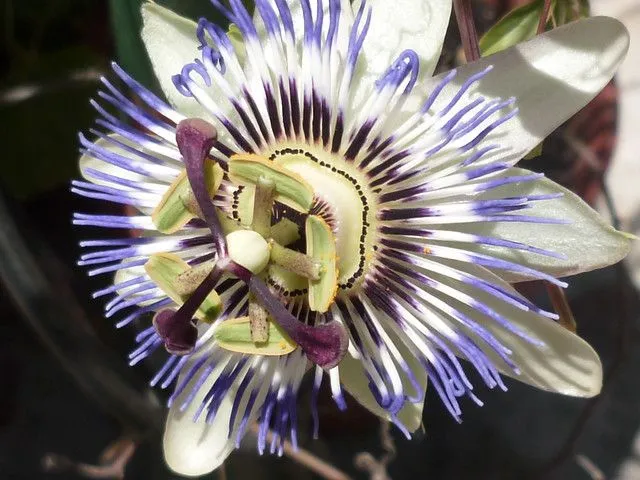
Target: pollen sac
249 249
165 269
178 204
321 247
291 188
235 335
187 282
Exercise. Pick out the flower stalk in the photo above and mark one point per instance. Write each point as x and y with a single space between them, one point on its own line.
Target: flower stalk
544 17
467 27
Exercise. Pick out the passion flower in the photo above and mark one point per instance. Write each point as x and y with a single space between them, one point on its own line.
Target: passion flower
310 198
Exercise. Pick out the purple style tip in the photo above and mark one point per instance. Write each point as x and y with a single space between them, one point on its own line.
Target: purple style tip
195 138
179 337
325 345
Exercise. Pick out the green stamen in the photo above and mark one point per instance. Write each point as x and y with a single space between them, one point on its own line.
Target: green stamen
236 335
321 247
291 188
285 232
165 268
178 205
295 262
188 281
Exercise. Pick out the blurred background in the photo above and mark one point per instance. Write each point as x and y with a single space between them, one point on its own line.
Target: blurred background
70 407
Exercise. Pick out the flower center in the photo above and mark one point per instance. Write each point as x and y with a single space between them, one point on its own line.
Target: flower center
245 254
342 198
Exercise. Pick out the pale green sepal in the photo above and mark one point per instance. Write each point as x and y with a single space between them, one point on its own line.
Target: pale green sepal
399 25
551 76
178 205
321 247
587 241
291 188
235 36
235 335
354 381
563 362
171 43
88 162
125 275
164 269
192 447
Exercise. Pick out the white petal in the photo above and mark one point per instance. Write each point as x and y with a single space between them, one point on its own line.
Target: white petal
88 162
197 448
353 379
400 25
588 242
158 180
295 6
566 364
551 76
396 26
171 43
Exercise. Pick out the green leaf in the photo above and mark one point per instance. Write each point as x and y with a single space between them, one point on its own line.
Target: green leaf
235 335
517 26
565 11
321 247
126 23
536 152
584 8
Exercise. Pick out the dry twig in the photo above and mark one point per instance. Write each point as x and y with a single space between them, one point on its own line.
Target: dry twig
307 459
377 469
591 468
113 462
